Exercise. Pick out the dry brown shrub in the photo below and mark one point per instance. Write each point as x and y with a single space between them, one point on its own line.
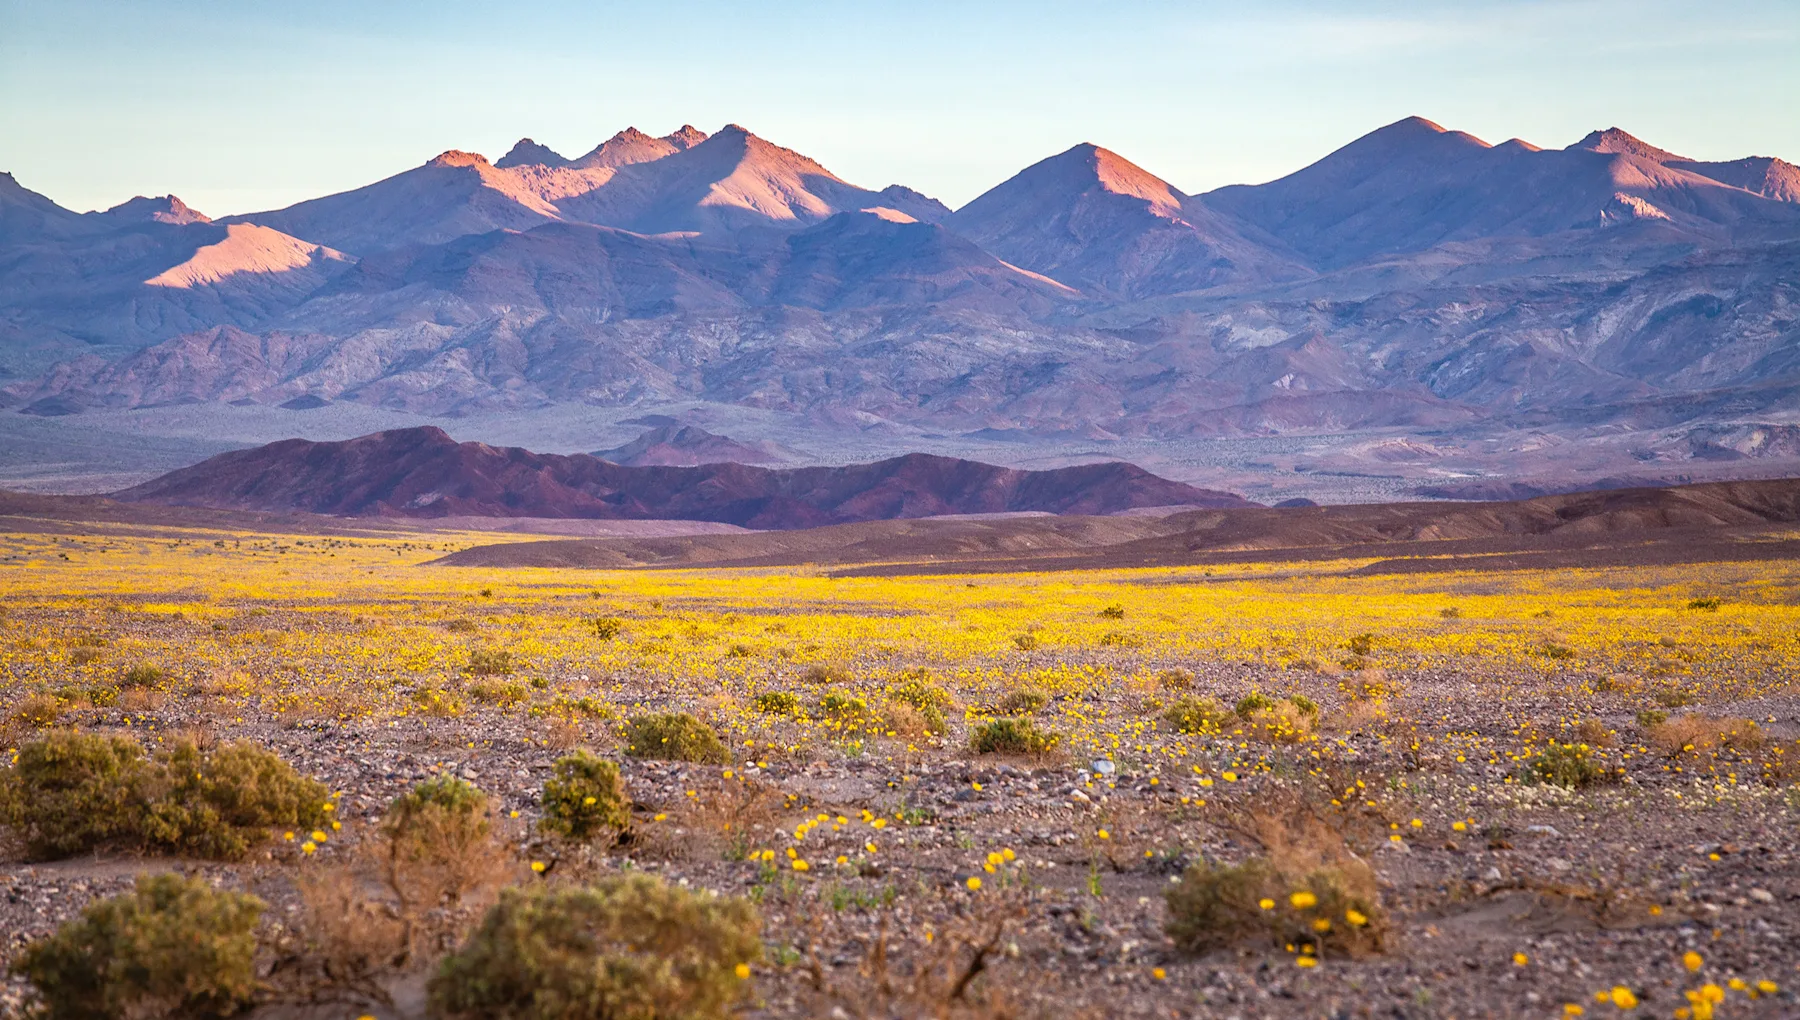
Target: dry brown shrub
726 819
1691 733
1361 717
1593 732
1284 723
1372 684
1619 683
965 972
140 699
563 732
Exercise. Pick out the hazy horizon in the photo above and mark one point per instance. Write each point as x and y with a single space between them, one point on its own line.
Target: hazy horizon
237 108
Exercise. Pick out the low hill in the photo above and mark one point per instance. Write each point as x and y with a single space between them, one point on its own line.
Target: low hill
1720 522
423 473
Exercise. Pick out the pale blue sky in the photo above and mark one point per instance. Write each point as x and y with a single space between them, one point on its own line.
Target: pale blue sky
237 105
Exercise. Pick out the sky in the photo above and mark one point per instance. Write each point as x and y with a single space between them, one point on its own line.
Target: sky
241 105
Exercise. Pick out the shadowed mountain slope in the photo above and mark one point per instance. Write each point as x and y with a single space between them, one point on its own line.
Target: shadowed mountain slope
422 472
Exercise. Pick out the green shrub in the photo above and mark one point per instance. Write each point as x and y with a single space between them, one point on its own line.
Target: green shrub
171 948
1705 605
1252 703
674 736
490 662
585 797
608 627
1197 715
1025 642
1652 717
1306 705
70 793
1571 766
841 706
1113 612
219 803
1023 701
1361 644
140 674
778 703
628 948
1011 736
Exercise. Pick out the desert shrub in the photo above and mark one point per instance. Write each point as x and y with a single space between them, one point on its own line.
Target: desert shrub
1593 732
1571 766
925 698
1330 909
1552 650
826 673
1197 715
1011 736
1284 722
141 674
1252 703
430 699
1704 605
71 792
1674 697
585 797
82 656
841 706
437 841
1450 613
172 947
674 736
490 662
502 694
460 625
1175 680
1025 642
37 711
1361 644
1119 639
220 802
608 627
778 703
1689 733
1650 718
569 708
1305 704
1113 612
1024 701
1368 685
629 948
1618 683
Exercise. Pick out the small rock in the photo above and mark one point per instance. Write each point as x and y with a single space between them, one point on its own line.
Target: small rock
1542 830
1762 896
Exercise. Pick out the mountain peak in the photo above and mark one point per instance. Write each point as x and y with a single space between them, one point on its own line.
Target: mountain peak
1618 142
626 148
165 209
686 137
457 157
526 152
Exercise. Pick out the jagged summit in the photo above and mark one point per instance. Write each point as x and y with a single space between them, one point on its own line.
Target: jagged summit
1619 142
526 152
686 137
164 209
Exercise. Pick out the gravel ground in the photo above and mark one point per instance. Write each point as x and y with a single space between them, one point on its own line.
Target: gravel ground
1540 899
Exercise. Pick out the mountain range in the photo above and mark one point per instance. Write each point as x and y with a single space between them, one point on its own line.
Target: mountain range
423 473
1418 278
